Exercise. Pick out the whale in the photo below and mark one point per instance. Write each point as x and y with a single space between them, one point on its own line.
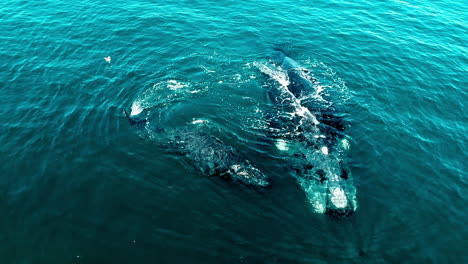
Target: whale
205 152
309 127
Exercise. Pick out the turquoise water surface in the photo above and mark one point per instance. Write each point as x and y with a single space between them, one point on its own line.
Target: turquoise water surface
78 184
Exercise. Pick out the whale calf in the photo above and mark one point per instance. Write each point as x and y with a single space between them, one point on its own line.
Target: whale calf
207 153
307 126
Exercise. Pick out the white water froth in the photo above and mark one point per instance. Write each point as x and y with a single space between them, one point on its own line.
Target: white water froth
324 150
136 108
175 85
329 80
199 121
281 76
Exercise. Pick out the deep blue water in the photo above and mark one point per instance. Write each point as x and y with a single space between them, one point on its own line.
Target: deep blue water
78 185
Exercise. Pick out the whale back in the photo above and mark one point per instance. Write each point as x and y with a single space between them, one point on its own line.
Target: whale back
212 157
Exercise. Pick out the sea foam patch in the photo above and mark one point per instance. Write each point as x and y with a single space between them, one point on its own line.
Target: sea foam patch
199 121
136 109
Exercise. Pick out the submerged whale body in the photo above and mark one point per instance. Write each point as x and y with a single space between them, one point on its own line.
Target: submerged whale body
311 130
208 154
212 157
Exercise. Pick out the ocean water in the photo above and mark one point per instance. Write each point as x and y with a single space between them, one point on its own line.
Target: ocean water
79 185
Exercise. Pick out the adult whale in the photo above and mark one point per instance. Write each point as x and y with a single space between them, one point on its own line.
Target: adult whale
206 153
307 126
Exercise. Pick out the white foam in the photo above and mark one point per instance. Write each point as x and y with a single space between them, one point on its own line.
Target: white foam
345 143
281 76
175 85
136 109
199 121
318 206
319 89
324 150
277 74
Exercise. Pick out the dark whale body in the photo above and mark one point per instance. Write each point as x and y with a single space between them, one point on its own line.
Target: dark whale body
208 154
317 133
214 158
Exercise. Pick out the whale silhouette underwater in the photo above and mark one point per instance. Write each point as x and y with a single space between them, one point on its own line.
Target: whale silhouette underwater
312 141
